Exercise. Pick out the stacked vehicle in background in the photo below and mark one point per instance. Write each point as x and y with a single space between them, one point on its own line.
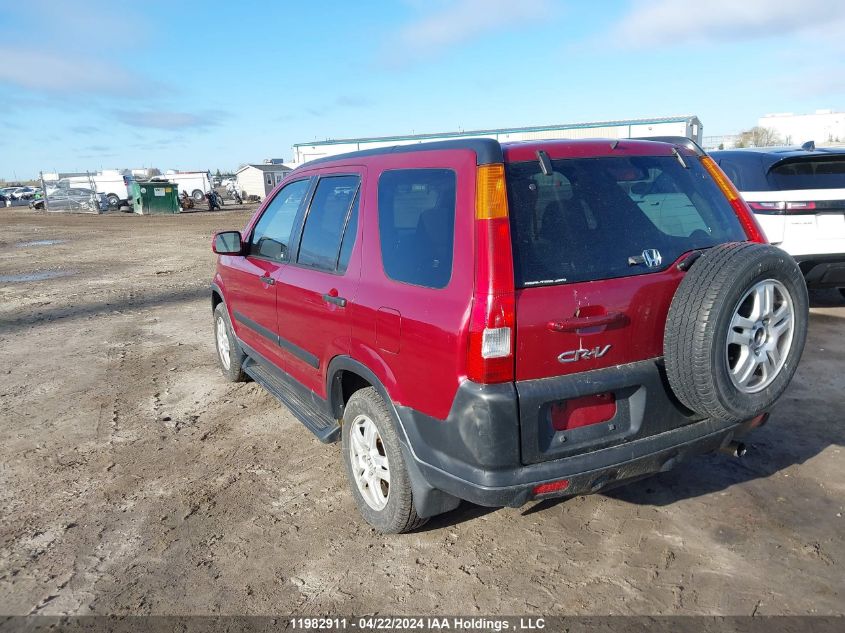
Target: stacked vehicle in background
115 185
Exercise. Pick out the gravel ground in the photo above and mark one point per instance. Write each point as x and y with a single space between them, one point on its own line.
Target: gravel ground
135 480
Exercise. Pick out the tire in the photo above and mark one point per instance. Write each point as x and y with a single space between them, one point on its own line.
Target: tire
230 351
726 293
388 508
197 195
114 201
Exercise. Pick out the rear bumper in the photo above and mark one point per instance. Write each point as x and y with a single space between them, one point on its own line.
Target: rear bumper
823 271
590 472
476 453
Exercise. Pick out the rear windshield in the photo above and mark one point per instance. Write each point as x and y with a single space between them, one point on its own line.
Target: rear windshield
809 173
593 218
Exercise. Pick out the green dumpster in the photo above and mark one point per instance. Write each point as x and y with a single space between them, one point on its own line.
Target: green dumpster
156 197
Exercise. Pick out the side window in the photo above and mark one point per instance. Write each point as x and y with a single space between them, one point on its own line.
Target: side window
326 220
348 237
416 209
268 179
271 235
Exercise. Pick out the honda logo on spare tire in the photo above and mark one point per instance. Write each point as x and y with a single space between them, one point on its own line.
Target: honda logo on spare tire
652 257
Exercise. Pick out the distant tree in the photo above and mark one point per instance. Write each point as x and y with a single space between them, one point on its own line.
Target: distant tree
218 172
154 171
721 146
759 137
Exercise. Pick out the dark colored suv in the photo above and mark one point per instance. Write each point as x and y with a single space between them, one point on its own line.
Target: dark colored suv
506 322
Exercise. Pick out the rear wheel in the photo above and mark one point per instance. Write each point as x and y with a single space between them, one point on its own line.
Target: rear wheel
736 330
114 201
375 466
197 195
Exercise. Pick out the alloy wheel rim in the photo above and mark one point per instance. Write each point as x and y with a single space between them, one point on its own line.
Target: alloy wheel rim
760 336
223 343
370 468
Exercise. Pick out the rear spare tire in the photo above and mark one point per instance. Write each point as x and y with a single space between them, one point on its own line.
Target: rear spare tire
736 330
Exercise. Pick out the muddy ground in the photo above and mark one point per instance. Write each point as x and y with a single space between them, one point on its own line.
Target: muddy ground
135 480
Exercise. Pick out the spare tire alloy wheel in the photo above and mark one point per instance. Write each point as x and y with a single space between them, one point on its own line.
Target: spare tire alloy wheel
735 331
760 336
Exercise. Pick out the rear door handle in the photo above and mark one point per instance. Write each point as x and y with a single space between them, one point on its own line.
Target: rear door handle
338 301
267 279
580 323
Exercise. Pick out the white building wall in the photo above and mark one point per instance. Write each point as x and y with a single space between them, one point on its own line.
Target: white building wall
305 153
823 127
251 182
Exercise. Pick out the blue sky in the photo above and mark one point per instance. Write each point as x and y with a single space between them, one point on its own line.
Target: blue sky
213 84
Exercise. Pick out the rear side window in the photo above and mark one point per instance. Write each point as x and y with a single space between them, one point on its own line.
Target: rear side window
593 218
809 173
326 221
348 237
271 234
417 225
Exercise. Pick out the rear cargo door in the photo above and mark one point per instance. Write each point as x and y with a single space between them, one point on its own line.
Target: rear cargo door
596 243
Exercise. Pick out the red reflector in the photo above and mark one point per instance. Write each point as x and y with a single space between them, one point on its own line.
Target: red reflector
760 420
595 409
552 486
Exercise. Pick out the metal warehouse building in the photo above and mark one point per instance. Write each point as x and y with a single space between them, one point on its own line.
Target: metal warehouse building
689 126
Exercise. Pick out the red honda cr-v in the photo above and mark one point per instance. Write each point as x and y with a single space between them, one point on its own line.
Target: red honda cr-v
506 322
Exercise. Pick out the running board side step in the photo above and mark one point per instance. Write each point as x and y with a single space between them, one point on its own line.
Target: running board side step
299 400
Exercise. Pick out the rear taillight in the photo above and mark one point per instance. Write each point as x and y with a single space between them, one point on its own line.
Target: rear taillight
780 208
743 212
490 357
800 206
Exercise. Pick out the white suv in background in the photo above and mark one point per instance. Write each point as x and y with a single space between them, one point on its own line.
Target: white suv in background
798 197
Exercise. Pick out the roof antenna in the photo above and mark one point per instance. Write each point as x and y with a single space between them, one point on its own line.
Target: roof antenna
545 163
809 146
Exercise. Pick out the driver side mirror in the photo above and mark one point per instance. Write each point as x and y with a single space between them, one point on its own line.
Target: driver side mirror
227 243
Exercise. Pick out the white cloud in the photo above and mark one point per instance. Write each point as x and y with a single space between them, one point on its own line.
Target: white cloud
47 72
661 23
459 21
168 119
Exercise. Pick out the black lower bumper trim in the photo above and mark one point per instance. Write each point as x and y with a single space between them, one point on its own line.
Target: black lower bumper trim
823 271
615 466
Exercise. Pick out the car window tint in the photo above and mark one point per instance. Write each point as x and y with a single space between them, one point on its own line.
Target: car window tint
417 225
588 218
271 234
825 172
348 237
325 222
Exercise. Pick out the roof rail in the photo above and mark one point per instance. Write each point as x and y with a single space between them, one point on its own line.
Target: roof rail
683 141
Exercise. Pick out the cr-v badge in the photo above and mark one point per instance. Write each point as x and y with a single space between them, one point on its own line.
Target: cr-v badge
583 354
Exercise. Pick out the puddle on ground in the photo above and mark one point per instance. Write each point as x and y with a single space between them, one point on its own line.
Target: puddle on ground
39 276
39 243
